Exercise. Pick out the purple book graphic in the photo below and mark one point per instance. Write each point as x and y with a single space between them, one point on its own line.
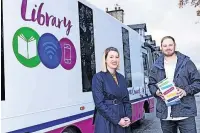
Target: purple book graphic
67 54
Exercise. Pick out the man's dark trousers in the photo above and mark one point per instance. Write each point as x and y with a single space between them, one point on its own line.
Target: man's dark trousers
187 125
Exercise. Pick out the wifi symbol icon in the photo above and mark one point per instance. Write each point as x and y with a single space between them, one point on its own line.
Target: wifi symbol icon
49 50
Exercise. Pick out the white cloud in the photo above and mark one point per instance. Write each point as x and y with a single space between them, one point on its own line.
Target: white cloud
163 17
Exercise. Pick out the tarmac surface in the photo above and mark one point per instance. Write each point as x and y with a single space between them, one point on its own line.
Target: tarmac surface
151 124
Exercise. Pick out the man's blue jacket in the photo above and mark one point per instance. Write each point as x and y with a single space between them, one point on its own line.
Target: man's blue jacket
186 77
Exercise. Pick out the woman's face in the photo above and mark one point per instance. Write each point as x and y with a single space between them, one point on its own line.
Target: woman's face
112 60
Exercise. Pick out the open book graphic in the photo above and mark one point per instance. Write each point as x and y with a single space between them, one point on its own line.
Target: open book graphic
169 92
27 48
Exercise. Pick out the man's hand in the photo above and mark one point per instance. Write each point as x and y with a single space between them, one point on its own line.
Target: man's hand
180 92
158 93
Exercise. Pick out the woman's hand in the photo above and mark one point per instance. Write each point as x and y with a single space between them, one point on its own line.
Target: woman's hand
122 122
128 121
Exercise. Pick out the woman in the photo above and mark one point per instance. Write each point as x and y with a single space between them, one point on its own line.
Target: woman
113 109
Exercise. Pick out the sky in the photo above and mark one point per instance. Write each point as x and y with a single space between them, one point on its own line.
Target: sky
162 17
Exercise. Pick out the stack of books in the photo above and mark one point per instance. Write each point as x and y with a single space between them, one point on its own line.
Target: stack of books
169 91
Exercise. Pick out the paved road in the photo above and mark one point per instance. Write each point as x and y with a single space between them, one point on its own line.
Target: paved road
152 125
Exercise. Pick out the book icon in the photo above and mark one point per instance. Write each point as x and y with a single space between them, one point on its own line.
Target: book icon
27 47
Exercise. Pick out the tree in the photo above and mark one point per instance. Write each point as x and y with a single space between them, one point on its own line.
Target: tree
195 3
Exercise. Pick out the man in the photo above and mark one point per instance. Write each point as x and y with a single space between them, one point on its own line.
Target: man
181 70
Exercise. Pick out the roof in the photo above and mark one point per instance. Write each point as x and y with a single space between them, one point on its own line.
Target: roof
138 26
148 37
115 11
153 42
150 46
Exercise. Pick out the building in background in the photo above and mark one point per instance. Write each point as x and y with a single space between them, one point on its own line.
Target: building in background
117 13
140 28
148 43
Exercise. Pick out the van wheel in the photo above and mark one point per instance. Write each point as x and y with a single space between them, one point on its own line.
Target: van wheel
70 130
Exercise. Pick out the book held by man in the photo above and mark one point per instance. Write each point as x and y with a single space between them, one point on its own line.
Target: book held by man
169 91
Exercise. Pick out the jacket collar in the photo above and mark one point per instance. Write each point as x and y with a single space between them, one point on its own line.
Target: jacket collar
181 59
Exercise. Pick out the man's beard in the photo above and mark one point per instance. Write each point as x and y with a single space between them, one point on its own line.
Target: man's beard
169 55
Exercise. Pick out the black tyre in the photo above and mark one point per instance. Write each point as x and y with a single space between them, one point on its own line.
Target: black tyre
70 130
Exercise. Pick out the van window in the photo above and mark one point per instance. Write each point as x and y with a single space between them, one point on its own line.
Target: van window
88 64
127 60
2 59
145 64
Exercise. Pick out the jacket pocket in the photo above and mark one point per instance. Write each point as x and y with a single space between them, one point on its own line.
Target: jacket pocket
159 106
188 105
